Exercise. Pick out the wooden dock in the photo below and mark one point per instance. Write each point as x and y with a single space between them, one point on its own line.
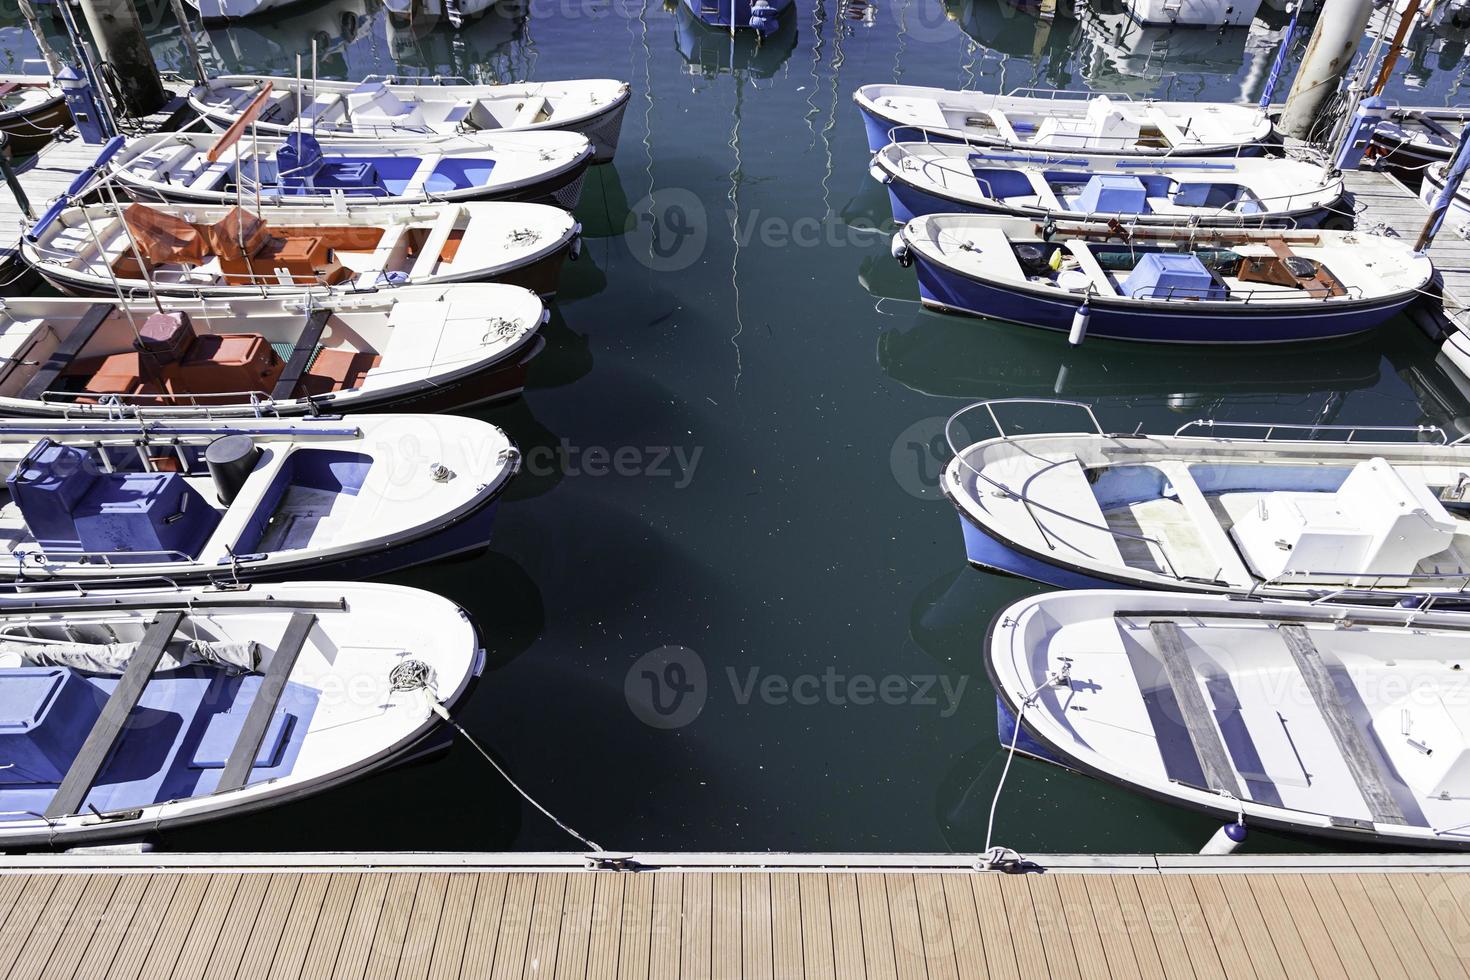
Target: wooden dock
48 173
423 916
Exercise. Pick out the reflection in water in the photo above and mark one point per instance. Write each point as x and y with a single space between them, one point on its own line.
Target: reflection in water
709 51
1121 56
952 357
1043 49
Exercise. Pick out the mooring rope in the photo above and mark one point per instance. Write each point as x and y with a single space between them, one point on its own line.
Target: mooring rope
996 856
412 675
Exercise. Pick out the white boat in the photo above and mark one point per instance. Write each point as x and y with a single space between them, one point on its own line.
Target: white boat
414 348
1069 122
1333 720
1143 282
133 711
379 108
32 111
198 501
934 178
300 170
457 12
1214 507
219 252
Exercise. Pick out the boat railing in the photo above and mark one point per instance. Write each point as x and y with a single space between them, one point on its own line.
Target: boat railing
1033 92
1157 291
126 405
1342 433
1022 495
40 558
1376 581
427 79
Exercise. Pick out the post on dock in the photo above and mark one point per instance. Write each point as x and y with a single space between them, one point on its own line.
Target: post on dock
1459 163
124 50
1340 26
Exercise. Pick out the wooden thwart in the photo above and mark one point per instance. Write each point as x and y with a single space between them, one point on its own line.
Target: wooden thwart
71 345
1360 761
301 355
1196 715
112 722
267 696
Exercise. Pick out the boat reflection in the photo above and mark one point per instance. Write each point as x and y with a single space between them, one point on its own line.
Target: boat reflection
1118 55
709 51
999 26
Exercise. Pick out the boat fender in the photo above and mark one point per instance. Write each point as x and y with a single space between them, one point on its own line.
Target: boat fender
1048 229
1227 839
575 252
900 250
1080 320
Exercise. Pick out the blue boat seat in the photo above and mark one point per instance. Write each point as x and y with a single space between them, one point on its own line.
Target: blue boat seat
1112 194
1171 275
45 715
69 506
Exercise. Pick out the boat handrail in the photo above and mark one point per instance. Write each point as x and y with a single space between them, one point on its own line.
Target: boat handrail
1041 92
39 557
402 79
1198 293
1404 579
1311 429
1021 495
257 398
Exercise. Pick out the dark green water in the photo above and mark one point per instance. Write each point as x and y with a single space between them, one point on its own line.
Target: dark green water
732 440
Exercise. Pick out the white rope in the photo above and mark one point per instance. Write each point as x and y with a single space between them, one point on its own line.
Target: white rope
999 855
411 675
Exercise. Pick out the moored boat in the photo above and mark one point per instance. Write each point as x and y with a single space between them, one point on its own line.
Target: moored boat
937 178
205 500
1411 139
1324 719
1214 507
32 111
299 170
1139 282
379 108
219 252
761 16
419 348
134 711
1067 122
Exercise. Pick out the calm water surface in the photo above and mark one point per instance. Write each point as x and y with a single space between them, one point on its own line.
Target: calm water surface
733 444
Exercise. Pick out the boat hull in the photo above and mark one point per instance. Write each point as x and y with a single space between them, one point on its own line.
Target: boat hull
27 133
993 555
950 291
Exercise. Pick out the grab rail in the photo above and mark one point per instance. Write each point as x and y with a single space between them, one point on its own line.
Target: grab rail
1311 428
1159 291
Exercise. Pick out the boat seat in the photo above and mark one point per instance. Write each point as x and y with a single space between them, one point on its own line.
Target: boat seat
1365 766
301 354
430 254
108 730
320 108
262 709
1102 283
923 113
1198 718
159 163
66 351
535 109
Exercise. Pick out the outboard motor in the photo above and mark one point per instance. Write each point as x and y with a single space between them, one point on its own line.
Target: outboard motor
231 460
82 102
298 160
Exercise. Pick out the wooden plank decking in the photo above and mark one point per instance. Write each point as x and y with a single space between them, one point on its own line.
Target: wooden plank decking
132 923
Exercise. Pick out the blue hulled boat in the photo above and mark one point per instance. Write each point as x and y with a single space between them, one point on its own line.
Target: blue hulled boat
938 178
762 16
1202 286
